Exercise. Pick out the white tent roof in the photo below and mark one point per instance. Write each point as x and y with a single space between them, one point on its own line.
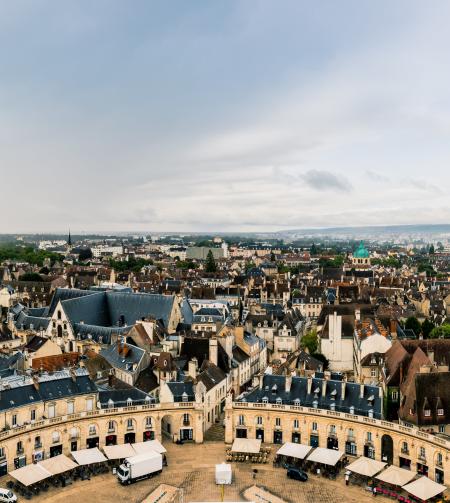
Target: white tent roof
424 488
246 445
120 451
88 456
366 466
299 451
223 474
150 445
325 456
30 474
58 464
395 476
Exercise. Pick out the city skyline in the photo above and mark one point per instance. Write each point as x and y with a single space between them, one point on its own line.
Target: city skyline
233 117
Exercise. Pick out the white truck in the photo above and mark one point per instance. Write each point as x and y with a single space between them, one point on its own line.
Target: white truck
140 467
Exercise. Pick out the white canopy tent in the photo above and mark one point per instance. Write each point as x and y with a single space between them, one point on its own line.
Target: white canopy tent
395 476
366 466
424 488
292 450
120 451
58 464
325 456
223 474
88 456
150 445
30 474
246 445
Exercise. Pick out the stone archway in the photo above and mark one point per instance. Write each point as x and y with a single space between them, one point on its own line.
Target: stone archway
167 427
387 449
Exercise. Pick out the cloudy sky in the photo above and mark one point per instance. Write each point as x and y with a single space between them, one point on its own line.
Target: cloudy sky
223 115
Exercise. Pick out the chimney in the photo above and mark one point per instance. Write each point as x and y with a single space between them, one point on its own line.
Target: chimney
357 314
36 383
343 386
393 328
361 390
288 382
324 387
430 354
309 384
213 351
73 375
192 366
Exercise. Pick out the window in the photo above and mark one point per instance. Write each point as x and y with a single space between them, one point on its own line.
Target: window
33 414
265 399
405 447
129 424
2 452
440 412
352 409
277 421
259 420
296 423
314 426
89 404
92 429
55 437
369 436
332 429
37 442
241 420
14 420
51 410
427 412
422 453
394 395
351 433
439 459
185 419
59 314
442 428
19 447
148 422
111 426
70 407
373 372
129 402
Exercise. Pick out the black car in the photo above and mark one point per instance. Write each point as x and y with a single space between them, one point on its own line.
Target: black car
297 474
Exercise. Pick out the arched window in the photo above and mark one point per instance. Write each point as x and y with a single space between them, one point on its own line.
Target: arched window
59 314
148 422
259 420
56 437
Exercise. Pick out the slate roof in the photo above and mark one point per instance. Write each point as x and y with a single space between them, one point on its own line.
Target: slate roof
120 397
178 388
121 360
274 387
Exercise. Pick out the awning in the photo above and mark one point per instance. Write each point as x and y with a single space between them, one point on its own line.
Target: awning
88 456
30 474
150 445
424 488
120 451
58 464
299 451
396 476
246 445
325 456
366 466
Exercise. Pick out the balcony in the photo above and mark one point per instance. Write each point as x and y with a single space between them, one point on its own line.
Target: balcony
186 423
405 452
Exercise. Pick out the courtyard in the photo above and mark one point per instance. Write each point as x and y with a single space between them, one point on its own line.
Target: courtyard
192 468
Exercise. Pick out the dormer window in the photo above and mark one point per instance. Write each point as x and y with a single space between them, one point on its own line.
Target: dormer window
274 389
184 397
371 413
352 409
265 399
279 401
129 402
440 412
427 413
297 401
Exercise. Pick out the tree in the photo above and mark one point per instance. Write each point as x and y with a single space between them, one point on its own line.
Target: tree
31 276
310 342
427 327
442 332
85 254
431 251
313 250
413 323
210 265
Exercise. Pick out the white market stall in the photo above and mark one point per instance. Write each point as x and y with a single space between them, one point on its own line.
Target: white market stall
120 451
30 474
424 488
58 464
325 456
88 456
246 445
223 474
366 467
395 476
293 450
150 445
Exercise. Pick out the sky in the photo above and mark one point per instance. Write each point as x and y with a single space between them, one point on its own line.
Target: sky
223 115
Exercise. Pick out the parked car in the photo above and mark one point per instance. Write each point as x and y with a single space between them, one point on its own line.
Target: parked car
7 496
297 474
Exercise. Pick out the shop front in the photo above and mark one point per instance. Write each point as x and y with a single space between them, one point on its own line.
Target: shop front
111 440
55 450
38 456
404 463
277 437
92 442
241 432
20 461
422 469
260 434
3 467
439 476
296 437
350 448
314 440
333 443
186 434
148 435
130 437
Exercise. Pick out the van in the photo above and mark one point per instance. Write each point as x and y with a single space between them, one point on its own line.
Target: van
297 474
7 496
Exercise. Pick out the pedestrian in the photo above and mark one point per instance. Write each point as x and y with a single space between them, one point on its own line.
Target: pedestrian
347 478
374 490
318 471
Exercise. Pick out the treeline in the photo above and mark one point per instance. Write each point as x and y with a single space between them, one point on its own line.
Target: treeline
27 254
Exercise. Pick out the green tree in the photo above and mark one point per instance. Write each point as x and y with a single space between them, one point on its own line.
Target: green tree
31 276
310 342
413 323
431 250
442 332
313 249
210 265
427 327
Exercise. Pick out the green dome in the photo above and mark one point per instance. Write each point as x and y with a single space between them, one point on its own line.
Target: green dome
361 252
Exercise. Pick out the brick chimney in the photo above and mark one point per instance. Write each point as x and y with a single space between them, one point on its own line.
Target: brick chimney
343 386
309 384
213 351
192 366
288 382
36 383
361 391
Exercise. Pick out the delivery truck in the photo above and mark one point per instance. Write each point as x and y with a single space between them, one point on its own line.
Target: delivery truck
140 467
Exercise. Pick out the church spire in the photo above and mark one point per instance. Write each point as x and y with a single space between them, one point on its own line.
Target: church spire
69 241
